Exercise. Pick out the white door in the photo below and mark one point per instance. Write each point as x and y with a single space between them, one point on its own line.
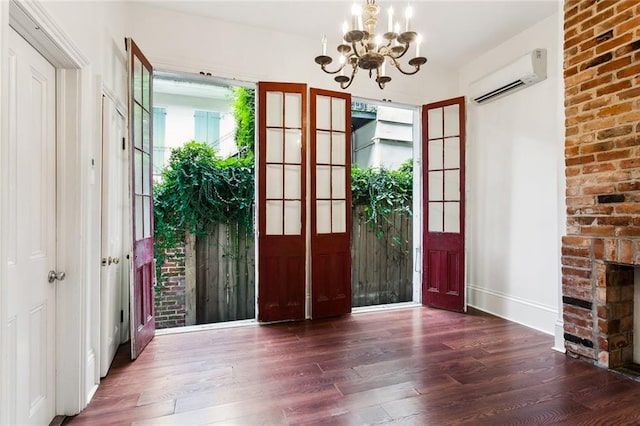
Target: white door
32 241
114 191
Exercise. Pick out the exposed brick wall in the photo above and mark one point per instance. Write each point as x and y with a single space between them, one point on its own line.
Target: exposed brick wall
169 296
602 158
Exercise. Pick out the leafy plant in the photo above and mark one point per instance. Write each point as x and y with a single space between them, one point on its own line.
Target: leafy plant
244 101
382 192
198 190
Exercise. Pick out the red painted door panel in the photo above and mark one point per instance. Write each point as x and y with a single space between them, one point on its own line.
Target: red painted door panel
281 201
141 294
330 203
443 237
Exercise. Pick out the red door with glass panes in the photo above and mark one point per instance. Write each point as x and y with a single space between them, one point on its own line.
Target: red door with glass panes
281 201
444 170
330 167
141 293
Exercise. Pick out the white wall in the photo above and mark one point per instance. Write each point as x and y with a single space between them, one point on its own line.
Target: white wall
5 391
513 144
97 28
180 42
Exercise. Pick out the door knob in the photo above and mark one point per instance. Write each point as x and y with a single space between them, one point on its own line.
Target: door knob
53 275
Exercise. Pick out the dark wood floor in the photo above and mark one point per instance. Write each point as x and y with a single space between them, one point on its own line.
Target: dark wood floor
411 366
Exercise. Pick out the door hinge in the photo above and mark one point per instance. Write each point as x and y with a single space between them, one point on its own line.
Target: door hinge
123 144
121 315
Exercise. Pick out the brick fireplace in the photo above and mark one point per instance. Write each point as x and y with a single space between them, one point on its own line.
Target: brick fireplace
602 158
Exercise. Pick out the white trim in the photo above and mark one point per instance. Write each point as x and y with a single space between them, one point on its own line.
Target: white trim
561 183
558 341
92 364
34 23
71 296
117 103
206 327
388 307
533 315
418 205
5 392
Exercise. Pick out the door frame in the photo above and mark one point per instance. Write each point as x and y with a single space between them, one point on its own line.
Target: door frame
105 173
75 358
417 205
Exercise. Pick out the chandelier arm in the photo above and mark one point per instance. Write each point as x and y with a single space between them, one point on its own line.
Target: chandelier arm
399 68
351 78
324 68
380 83
385 47
406 49
354 49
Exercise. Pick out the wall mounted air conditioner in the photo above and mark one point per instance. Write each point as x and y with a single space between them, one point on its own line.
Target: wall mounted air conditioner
525 71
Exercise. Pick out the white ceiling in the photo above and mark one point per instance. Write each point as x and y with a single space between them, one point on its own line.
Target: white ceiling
455 31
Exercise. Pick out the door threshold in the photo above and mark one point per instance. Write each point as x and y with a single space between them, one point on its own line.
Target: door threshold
245 323
388 307
204 327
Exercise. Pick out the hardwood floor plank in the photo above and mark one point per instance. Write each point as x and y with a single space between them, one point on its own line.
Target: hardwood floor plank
408 366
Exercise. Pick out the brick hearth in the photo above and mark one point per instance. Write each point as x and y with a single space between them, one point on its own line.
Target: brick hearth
602 158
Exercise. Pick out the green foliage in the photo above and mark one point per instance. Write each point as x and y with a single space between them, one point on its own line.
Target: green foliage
198 190
382 192
244 101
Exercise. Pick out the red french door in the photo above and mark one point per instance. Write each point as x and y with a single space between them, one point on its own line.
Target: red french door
443 236
141 292
330 167
281 201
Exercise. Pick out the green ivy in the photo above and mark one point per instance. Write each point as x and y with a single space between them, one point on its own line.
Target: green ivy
244 101
197 190
382 192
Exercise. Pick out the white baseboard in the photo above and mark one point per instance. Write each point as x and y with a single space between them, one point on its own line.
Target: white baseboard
533 315
558 344
90 376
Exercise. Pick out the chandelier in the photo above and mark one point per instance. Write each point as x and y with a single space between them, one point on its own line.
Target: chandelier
364 48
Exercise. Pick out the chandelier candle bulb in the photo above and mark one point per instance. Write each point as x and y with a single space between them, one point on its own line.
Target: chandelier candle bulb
390 25
345 28
384 67
324 45
355 11
407 15
418 41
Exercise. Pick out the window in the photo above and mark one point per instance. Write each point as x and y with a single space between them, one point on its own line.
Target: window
207 128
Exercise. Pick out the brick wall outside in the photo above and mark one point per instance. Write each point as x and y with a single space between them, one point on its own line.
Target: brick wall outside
170 293
602 158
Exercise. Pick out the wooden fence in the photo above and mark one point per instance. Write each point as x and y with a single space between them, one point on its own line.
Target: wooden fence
225 268
225 275
382 268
